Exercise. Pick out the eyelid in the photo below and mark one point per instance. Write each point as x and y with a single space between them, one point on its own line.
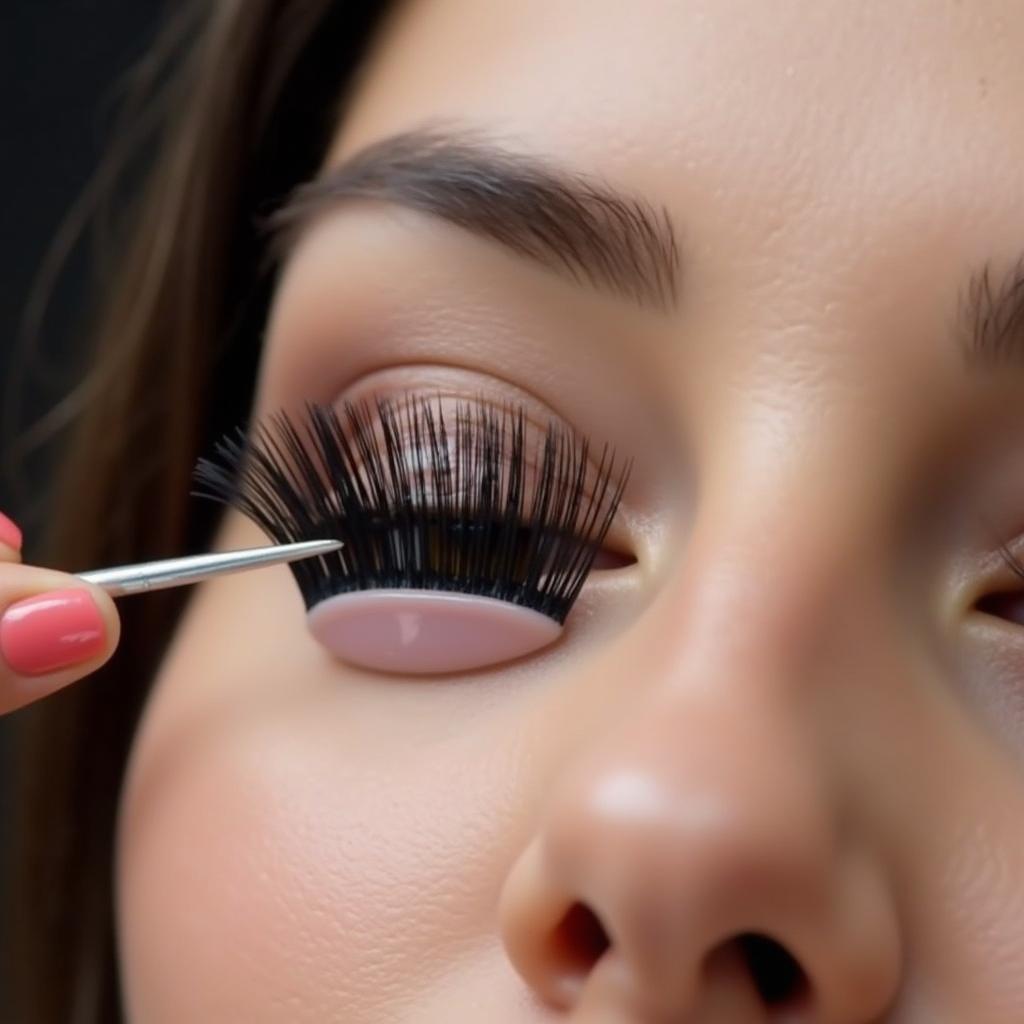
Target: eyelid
456 387
534 435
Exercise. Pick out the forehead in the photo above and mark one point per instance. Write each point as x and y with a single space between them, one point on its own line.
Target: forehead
900 105
688 77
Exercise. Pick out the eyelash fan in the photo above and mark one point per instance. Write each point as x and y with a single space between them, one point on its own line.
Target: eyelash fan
459 551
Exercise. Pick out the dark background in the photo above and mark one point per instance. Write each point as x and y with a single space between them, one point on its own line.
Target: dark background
63 74
62 71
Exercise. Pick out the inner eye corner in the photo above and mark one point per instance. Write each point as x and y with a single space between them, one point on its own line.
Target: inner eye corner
610 557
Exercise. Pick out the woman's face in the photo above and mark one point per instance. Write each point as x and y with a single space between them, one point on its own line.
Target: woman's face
774 769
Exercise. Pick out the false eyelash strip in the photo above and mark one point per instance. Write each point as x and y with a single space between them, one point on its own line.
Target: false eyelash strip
456 547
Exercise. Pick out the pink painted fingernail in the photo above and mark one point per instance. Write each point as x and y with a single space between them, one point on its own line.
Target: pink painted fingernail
50 631
9 533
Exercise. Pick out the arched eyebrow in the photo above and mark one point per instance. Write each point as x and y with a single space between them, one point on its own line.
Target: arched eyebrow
563 220
989 327
571 223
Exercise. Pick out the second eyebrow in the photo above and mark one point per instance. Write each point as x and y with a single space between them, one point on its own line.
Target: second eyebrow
619 243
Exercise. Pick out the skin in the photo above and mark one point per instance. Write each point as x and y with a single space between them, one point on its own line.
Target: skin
787 717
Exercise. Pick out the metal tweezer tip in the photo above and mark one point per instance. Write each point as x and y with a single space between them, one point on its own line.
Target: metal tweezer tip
176 572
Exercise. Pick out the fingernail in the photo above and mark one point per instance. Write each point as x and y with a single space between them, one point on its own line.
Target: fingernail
9 533
50 631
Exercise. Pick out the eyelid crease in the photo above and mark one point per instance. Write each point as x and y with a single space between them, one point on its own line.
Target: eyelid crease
457 403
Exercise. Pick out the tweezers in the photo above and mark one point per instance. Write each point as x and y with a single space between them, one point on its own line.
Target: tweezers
176 572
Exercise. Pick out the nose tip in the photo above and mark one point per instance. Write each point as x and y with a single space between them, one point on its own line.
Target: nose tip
660 900
578 962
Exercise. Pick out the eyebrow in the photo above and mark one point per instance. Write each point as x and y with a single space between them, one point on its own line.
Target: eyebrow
989 327
572 223
561 219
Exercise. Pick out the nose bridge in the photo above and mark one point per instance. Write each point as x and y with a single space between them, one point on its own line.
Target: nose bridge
778 596
780 572
776 600
799 434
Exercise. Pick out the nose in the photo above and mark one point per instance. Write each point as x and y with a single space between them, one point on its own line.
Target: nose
698 861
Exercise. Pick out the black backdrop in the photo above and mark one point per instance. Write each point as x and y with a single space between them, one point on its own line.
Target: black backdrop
62 73
62 64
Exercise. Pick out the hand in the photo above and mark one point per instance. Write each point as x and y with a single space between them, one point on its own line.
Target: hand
54 628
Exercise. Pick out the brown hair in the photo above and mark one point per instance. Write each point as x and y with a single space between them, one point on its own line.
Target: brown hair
247 93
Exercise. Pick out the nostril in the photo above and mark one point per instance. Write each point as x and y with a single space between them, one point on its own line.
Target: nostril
580 939
778 977
1003 605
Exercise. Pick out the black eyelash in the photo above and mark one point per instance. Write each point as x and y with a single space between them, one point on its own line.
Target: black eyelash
467 531
1011 560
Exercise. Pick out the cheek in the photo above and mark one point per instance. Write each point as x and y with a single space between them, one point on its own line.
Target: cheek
982 885
295 841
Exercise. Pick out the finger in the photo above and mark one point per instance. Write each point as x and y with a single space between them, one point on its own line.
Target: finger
55 629
10 540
